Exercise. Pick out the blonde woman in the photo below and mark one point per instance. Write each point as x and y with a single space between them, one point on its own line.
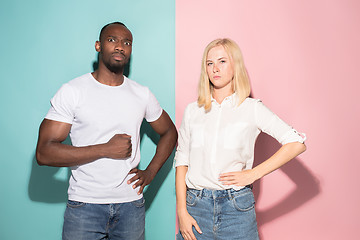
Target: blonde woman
215 153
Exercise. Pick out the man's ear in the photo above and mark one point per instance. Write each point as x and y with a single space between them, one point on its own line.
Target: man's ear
97 46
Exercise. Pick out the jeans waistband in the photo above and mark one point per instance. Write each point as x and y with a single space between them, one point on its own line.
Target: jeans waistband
218 193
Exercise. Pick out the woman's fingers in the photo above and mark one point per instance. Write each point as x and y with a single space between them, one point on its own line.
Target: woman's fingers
197 228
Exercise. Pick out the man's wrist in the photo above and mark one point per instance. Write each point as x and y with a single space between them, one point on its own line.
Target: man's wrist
152 170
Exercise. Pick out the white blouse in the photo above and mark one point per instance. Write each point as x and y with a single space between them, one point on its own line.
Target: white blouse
223 139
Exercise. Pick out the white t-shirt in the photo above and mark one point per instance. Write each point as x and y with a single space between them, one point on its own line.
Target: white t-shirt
97 112
223 139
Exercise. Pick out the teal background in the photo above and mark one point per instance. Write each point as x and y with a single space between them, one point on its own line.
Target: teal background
46 43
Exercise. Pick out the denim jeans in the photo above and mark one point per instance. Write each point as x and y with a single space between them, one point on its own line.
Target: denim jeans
86 221
223 214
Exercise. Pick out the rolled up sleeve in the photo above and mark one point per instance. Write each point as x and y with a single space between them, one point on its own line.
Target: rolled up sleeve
183 149
271 124
63 105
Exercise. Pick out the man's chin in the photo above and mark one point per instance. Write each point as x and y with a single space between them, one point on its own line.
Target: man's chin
116 68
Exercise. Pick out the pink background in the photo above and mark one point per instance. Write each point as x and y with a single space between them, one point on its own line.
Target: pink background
303 61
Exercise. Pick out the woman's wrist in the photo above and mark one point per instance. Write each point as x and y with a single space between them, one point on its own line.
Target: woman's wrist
256 173
181 210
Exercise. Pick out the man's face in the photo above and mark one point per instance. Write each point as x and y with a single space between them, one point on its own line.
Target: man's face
115 47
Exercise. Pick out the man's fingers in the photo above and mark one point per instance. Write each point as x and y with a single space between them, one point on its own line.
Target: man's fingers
141 189
129 151
134 178
134 170
124 135
138 183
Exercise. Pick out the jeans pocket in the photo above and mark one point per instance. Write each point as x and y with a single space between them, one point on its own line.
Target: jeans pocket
244 202
139 203
191 198
75 204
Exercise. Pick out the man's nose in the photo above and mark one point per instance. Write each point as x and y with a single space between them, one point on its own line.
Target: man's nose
119 46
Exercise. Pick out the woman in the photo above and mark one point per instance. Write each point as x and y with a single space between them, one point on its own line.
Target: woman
215 150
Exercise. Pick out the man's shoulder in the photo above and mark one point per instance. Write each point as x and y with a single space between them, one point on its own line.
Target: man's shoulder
80 80
135 84
138 89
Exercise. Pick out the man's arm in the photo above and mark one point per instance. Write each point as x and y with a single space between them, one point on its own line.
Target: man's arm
51 151
168 137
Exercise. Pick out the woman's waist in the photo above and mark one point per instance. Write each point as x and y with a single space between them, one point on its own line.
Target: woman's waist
219 193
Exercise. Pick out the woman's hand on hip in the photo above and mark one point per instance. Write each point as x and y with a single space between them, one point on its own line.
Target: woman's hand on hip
240 178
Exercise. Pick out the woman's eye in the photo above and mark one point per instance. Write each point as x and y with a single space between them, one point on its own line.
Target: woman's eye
209 63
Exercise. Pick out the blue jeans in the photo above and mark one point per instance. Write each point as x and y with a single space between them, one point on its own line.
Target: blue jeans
223 214
86 221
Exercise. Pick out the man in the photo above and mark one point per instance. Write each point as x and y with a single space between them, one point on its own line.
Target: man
103 112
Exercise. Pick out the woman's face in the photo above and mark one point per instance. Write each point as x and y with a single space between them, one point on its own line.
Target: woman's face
219 68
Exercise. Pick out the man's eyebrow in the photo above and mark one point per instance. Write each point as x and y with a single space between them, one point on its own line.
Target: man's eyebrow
126 39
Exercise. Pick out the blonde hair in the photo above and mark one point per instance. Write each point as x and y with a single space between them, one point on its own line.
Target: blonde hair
240 83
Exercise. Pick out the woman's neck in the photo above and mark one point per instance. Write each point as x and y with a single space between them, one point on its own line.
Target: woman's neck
220 94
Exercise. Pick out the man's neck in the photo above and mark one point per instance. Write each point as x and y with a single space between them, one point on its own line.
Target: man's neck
105 76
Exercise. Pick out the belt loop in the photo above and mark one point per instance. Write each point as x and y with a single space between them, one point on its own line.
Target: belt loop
229 193
201 193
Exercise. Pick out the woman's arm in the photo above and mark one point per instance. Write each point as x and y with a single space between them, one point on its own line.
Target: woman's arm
282 156
186 221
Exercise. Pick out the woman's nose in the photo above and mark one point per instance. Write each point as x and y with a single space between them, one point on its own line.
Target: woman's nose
215 68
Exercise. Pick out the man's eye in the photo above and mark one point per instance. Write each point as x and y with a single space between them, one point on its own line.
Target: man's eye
111 40
128 43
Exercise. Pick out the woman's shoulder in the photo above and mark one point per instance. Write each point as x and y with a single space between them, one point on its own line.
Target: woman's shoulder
252 101
193 106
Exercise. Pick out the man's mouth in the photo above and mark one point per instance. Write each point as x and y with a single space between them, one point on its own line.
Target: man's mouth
118 56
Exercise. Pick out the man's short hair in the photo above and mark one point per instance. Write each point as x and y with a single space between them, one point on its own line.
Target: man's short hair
103 28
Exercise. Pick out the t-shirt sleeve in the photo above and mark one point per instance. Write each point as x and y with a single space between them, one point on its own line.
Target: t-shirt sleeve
153 108
271 124
183 148
62 105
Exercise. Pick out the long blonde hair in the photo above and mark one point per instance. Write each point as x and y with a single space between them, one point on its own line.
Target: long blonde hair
240 83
